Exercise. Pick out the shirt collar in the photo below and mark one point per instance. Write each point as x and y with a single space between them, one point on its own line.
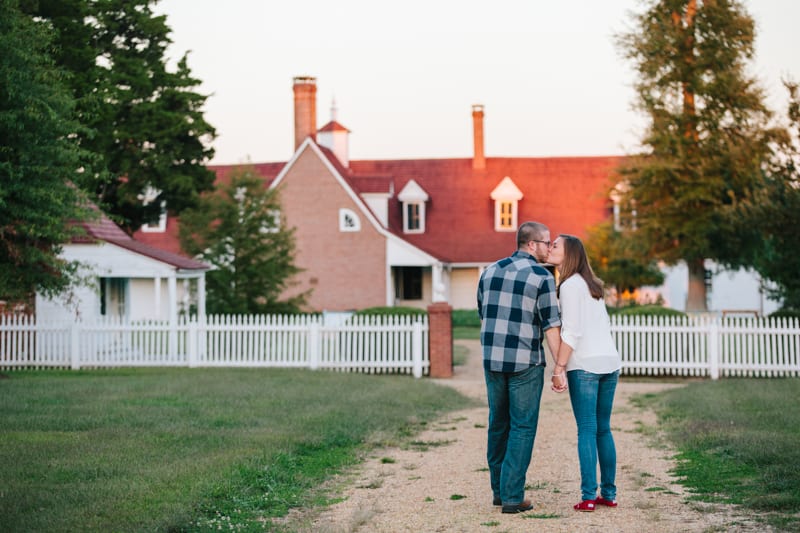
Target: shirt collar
521 253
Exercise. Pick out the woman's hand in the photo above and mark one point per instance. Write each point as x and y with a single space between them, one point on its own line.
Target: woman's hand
559 380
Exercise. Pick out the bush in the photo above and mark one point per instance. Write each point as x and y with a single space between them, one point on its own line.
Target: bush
466 318
785 313
646 310
384 311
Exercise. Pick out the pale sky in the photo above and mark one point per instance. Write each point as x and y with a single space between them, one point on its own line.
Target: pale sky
406 74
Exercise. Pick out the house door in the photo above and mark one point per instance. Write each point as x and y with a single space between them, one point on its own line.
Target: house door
113 297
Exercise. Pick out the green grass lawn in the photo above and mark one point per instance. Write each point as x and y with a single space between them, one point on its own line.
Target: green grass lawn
191 449
739 442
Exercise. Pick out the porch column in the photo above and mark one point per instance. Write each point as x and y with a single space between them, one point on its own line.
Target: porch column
173 314
438 284
201 297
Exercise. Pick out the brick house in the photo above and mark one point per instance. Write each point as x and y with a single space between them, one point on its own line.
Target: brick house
412 232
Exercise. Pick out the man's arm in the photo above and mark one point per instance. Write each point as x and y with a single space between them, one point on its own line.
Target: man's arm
553 336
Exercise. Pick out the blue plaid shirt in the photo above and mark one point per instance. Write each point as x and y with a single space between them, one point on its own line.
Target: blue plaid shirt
517 303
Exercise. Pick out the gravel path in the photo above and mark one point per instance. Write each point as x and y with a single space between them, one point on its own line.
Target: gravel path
445 488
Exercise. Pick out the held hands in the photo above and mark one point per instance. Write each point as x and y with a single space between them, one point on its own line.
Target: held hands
559 379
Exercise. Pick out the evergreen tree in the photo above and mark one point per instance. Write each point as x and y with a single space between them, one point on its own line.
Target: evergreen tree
145 121
239 232
39 162
708 133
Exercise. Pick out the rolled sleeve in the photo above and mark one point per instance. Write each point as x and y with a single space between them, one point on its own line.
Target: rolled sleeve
548 304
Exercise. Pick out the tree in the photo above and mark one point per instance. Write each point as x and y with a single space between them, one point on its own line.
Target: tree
238 231
145 122
771 215
708 133
39 162
619 260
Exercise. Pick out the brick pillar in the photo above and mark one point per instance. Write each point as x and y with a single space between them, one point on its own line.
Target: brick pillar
440 338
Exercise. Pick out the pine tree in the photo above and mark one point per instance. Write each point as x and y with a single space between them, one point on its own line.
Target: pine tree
40 162
708 133
143 120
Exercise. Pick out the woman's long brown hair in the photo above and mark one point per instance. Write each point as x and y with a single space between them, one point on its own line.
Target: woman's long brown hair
576 262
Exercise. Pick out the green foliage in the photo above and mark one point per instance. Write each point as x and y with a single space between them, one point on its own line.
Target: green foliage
620 259
738 443
190 449
391 311
466 318
708 133
771 215
40 162
144 121
645 310
239 231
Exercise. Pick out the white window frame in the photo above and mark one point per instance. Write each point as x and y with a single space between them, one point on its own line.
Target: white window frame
421 217
506 193
349 221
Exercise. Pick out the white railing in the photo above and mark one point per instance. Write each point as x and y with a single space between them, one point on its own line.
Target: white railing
708 346
358 343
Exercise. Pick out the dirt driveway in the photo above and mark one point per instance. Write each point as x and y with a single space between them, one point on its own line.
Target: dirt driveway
445 486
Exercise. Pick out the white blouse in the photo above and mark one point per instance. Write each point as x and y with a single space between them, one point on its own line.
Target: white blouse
585 326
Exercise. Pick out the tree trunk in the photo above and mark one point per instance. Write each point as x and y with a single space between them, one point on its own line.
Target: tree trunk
696 299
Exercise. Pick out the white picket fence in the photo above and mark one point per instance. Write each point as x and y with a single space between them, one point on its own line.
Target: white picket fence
356 343
703 346
708 346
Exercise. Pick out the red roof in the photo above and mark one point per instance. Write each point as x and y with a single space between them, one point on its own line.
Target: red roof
569 194
104 229
332 126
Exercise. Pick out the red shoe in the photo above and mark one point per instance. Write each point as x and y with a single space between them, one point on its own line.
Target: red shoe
586 506
607 503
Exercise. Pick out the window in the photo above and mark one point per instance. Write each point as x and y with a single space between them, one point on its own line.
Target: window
413 198
349 220
413 218
506 196
507 215
408 283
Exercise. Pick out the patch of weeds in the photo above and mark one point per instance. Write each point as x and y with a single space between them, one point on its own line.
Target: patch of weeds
541 516
451 428
539 485
387 460
376 484
480 426
414 478
493 523
457 496
410 467
556 491
655 489
484 469
428 499
424 446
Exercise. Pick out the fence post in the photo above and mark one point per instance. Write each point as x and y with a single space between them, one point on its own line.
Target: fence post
416 348
192 344
440 339
74 347
713 348
314 344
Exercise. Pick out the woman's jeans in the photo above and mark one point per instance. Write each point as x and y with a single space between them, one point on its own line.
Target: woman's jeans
513 417
592 396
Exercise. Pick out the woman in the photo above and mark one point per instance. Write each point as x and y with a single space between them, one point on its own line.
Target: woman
589 363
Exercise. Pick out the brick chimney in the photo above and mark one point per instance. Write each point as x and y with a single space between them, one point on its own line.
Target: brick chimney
305 109
478 159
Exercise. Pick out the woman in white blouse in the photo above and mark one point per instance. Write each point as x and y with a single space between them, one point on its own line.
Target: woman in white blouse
589 363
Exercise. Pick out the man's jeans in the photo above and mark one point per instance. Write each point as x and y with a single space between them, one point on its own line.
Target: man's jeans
513 416
592 396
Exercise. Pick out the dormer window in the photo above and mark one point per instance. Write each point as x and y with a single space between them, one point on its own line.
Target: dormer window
506 197
159 226
413 198
349 220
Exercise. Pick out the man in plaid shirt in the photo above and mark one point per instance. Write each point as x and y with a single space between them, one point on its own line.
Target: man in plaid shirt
518 309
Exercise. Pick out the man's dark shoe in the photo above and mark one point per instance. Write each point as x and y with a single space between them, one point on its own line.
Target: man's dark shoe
521 507
497 501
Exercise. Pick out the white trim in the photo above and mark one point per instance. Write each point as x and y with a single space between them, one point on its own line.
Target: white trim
349 221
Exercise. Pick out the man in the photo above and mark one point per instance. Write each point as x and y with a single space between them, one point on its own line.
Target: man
518 309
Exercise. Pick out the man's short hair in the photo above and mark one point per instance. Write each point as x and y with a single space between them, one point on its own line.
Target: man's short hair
530 231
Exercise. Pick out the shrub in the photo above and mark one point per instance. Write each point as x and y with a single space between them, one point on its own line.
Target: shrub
466 318
648 310
785 313
384 311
